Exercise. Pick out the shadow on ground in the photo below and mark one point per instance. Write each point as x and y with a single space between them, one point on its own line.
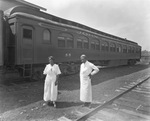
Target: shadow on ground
72 104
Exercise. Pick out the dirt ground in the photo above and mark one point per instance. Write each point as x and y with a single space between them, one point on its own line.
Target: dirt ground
24 92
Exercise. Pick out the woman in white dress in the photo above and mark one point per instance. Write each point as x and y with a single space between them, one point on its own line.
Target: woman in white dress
52 73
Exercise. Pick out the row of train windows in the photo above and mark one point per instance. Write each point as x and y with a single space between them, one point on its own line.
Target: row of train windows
66 40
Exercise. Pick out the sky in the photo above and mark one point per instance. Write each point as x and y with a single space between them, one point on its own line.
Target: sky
124 18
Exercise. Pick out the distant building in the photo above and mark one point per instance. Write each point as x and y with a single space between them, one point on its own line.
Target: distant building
6 4
145 56
145 53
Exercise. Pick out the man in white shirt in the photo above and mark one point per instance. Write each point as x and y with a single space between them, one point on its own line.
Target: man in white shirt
87 70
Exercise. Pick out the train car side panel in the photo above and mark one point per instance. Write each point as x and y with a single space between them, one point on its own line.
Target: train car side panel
41 35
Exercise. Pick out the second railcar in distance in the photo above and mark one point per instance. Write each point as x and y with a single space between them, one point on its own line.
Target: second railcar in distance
31 36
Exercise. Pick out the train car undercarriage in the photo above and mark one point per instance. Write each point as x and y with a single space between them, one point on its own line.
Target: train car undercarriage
35 71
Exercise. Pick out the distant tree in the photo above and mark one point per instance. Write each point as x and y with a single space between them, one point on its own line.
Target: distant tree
145 53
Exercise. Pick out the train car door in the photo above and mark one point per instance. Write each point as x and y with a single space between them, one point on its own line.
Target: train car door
27 44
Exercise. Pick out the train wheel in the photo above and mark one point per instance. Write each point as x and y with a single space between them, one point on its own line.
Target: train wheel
73 68
63 69
131 62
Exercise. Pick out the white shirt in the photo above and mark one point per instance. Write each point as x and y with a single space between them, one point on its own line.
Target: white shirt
88 68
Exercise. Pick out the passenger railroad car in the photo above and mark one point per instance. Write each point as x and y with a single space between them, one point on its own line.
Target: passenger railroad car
30 36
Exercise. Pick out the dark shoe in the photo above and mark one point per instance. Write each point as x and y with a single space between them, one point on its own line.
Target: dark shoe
86 104
49 103
89 105
83 105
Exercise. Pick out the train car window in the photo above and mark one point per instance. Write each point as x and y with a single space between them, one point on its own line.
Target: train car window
65 40
97 45
129 49
119 48
112 47
69 42
61 42
82 42
27 33
124 49
12 34
12 27
104 46
93 45
86 44
79 43
137 50
46 36
133 49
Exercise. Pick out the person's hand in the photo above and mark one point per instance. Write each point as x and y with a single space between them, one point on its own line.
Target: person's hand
56 82
90 76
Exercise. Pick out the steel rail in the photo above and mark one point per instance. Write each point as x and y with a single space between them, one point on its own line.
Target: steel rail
100 107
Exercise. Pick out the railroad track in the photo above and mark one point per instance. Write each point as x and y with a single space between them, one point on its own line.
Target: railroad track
132 104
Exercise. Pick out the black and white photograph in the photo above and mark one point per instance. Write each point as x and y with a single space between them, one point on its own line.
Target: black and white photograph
74 60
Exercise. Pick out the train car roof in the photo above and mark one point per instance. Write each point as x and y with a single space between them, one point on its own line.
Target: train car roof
55 19
31 5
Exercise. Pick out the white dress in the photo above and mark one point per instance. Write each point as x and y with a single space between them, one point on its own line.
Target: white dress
85 81
50 89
